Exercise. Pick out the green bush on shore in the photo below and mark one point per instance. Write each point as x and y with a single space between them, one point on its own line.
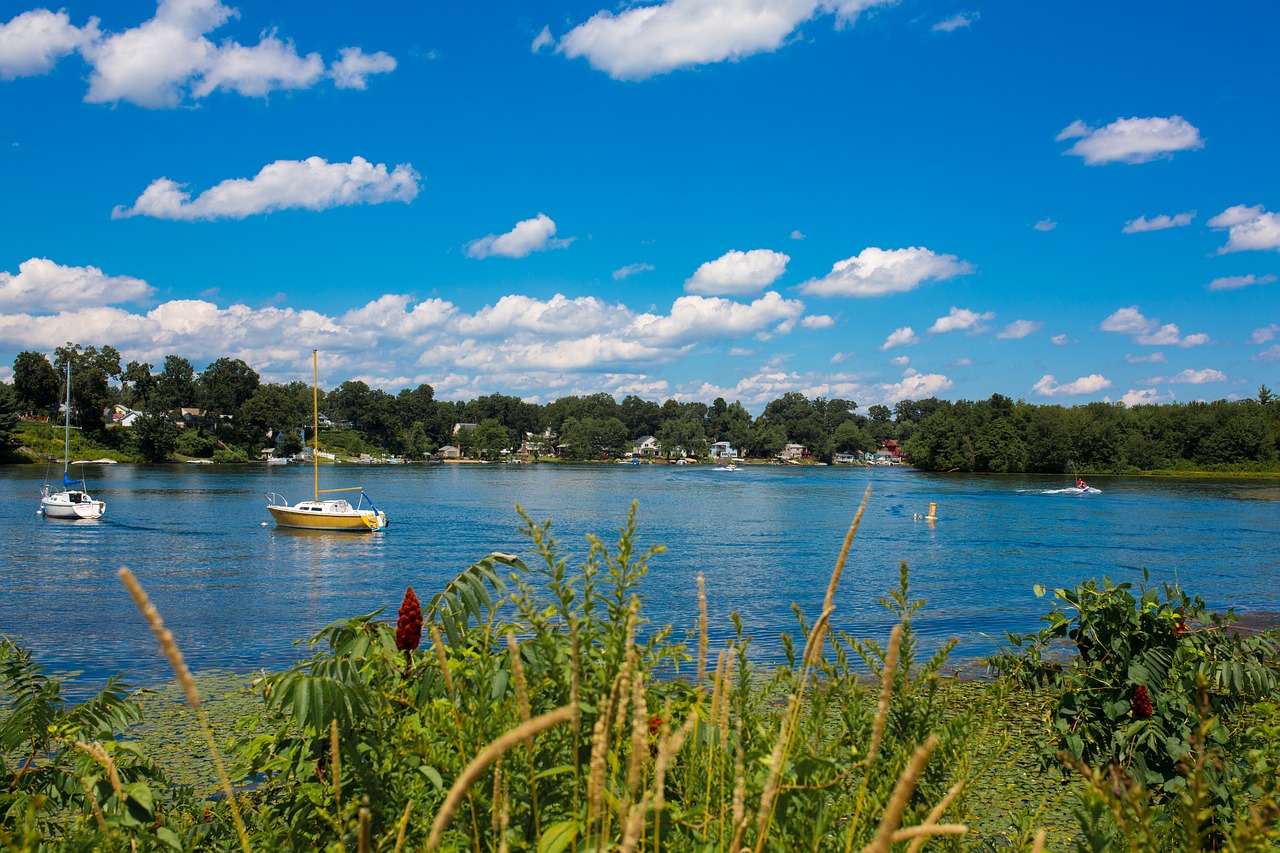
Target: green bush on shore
531 706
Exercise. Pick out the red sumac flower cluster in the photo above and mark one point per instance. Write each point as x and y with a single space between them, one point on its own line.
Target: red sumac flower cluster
409 625
1141 703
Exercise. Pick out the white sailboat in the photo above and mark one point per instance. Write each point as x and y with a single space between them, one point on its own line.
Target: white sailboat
74 501
318 514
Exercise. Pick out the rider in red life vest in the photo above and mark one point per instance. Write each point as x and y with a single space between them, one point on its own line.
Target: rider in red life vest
1080 484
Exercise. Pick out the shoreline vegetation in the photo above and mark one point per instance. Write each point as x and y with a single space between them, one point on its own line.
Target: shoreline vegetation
225 413
532 706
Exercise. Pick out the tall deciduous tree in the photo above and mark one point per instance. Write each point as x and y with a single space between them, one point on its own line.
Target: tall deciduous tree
141 385
8 417
157 436
91 372
226 385
35 382
176 385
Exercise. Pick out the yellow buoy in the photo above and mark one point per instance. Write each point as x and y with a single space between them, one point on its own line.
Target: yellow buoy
933 513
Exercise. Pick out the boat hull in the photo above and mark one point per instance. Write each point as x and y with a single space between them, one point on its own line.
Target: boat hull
304 517
73 505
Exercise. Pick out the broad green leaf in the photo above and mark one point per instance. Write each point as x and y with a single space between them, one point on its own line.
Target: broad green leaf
557 837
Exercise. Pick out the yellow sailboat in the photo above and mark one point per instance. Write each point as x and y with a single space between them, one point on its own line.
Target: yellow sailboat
316 514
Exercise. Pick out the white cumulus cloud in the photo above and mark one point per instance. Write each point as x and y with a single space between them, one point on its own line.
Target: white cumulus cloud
169 60
1045 224
642 41
876 272
955 22
915 386
33 42
738 273
1190 377
1248 228
1265 333
1235 282
1150 332
43 286
1131 140
1158 223
903 337
961 320
1153 358
1063 340
353 69
1020 329
528 236
542 39
818 321
630 270
311 184
392 340
1048 386
1146 397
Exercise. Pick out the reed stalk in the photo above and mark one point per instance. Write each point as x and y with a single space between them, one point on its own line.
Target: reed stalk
171 651
100 755
886 693
437 643
404 826
891 821
481 762
812 653
702 629
932 818
94 807
335 768
522 699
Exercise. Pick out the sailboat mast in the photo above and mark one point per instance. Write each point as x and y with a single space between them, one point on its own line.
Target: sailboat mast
66 442
315 421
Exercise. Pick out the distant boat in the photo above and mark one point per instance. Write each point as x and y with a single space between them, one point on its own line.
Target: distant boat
71 502
316 514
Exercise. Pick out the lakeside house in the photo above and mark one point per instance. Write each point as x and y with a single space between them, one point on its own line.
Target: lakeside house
793 453
459 427
535 445
646 445
845 458
449 451
124 416
722 450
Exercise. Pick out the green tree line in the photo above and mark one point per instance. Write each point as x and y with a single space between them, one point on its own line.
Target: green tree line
238 415
1004 436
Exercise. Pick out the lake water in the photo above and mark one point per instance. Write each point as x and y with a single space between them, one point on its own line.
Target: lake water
237 594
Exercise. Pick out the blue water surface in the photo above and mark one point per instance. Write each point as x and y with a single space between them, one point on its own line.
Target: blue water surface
237 594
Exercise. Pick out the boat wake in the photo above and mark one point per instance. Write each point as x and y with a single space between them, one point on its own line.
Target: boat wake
1071 490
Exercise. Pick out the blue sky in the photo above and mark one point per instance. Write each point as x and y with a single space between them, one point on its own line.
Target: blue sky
689 199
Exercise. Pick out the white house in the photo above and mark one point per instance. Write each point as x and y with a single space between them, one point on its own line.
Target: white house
793 451
646 445
124 416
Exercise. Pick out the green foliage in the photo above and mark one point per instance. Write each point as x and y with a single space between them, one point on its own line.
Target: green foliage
668 757
347 442
1000 435
1128 698
233 455
8 418
65 776
197 443
35 382
1118 813
156 436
